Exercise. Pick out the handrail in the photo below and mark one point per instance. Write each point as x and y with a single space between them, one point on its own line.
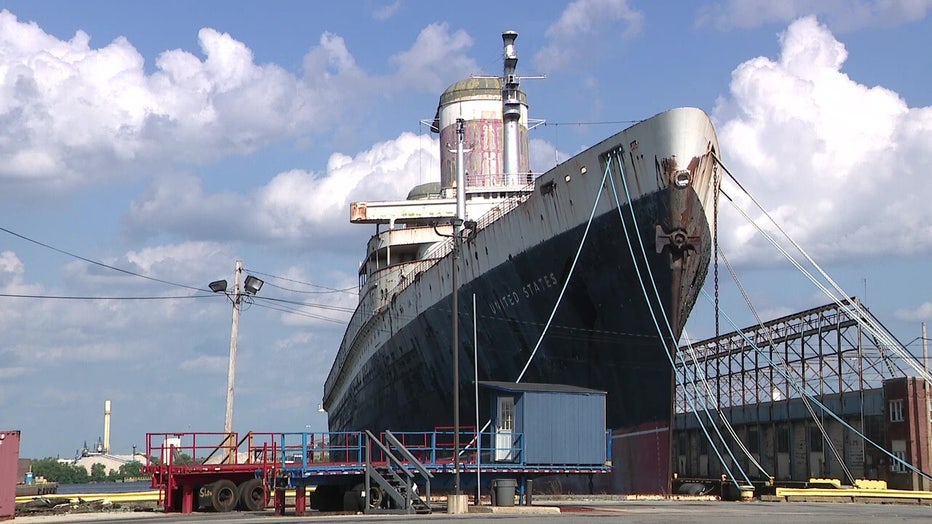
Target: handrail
392 461
413 460
407 454
388 454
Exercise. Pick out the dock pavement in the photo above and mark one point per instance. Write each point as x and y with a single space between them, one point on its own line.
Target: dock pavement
563 511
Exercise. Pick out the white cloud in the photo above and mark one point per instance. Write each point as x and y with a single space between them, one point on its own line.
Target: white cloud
840 165
922 312
152 261
436 59
581 25
10 263
544 155
295 206
76 116
71 112
840 15
386 11
211 364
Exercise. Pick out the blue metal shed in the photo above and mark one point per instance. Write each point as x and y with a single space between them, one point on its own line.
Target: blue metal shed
558 424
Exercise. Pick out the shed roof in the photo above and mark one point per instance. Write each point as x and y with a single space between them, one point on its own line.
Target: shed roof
522 387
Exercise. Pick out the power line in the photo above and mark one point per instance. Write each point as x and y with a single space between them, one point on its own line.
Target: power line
76 297
596 123
341 309
101 264
328 289
291 311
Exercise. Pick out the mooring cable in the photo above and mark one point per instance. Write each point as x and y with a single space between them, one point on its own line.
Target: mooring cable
809 408
861 317
566 283
812 398
634 259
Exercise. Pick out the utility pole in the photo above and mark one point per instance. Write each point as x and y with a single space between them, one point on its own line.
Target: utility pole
457 234
231 372
925 349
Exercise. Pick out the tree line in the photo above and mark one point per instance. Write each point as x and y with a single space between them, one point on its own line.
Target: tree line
66 473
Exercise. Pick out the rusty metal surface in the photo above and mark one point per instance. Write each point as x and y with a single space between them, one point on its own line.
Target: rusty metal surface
9 459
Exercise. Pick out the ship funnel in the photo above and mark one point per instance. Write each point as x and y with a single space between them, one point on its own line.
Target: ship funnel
493 111
511 108
106 449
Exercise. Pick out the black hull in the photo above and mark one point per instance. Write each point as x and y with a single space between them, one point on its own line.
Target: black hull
603 335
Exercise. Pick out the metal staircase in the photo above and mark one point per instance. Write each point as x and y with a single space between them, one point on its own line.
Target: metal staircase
391 479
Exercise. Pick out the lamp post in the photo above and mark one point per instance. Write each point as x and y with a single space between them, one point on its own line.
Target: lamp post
460 228
457 227
241 289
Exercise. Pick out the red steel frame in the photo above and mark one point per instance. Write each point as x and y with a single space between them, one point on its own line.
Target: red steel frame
214 456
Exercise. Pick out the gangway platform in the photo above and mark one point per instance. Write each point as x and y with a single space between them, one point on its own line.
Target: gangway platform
388 472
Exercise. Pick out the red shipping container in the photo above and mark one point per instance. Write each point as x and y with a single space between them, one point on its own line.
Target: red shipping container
9 460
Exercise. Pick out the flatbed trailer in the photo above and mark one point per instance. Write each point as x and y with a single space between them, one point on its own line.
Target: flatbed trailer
217 468
354 471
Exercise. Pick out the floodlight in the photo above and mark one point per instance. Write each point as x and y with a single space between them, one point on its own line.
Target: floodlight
252 285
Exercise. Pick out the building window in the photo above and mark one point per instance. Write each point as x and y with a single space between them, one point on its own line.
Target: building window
896 466
898 448
815 439
783 439
753 440
896 410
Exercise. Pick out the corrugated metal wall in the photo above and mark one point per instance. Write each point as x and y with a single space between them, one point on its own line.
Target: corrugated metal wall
786 441
562 428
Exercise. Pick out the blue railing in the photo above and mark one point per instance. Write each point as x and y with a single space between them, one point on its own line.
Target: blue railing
346 451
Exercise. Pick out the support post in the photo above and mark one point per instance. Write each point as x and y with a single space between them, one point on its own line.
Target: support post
279 501
187 499
300 497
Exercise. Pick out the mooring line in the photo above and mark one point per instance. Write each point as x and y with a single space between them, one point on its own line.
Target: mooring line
624 181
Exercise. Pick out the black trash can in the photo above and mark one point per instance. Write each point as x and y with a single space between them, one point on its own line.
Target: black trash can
504 491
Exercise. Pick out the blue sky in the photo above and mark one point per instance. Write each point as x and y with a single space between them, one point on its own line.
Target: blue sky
170 139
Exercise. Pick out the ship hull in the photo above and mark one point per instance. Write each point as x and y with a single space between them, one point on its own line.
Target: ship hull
603 319
602 337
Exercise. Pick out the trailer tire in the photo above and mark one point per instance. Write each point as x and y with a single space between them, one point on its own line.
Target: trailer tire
177 493
376 497
355 499
327 498
224 496
253 495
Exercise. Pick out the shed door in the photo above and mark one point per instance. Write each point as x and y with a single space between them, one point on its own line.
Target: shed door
504 429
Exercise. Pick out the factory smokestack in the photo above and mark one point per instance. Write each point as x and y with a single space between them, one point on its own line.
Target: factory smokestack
106 449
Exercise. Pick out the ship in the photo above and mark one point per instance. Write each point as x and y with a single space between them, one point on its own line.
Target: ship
582 276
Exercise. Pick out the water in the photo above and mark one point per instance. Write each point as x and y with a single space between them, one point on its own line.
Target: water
104 487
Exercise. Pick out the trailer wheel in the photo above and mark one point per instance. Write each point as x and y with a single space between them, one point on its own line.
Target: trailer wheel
252 495
327 498
355 498
224 496
375 497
